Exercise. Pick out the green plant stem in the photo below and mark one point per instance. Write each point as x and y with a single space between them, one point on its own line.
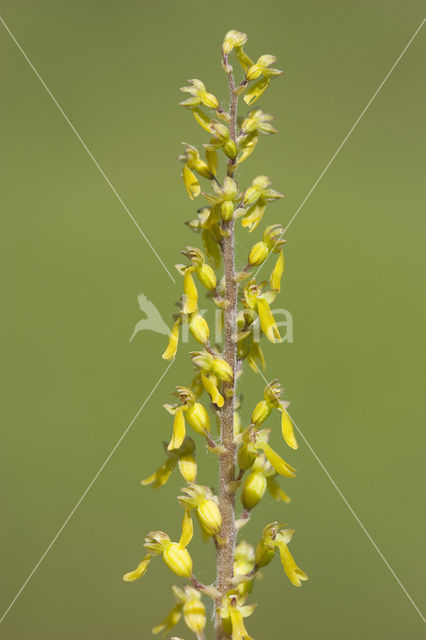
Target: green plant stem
227 461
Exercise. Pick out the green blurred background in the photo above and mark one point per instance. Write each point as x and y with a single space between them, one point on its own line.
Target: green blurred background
74 264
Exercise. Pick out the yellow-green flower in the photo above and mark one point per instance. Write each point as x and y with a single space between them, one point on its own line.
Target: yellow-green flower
261 477
272 400
233 39
212 369
205 503
260 188
174 554
183 458
257 197
257 440
192 160
257 299
221 139
244 565
191 410
225 197
272 241
232 612
257 120
199 95
274 537
188 604
194 611
203 271
261 67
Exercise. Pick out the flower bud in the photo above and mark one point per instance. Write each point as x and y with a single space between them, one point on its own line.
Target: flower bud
227 210
222 369
246 457
258 254
233 39
230 148
261 411
253 489
156 541
273 237
273 393
199 328
220 131
209 516
194 613
188 467
207 277
264 554
178 560
198 418
202 359
254 72
230 189
209 100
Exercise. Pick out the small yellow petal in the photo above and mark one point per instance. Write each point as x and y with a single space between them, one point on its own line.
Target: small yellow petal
139 571
276 492
199 328
287 430
212 390
209 516
170 620
191 183
239 632
202 119
171 350
198 418
179 430
277 273
190 293
253 490
294 574
267 321
280 465
187 530
256 90
160 477
188 467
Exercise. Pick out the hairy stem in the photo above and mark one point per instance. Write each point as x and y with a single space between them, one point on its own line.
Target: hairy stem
227 461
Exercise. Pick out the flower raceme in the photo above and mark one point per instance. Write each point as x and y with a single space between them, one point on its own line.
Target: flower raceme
247 462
